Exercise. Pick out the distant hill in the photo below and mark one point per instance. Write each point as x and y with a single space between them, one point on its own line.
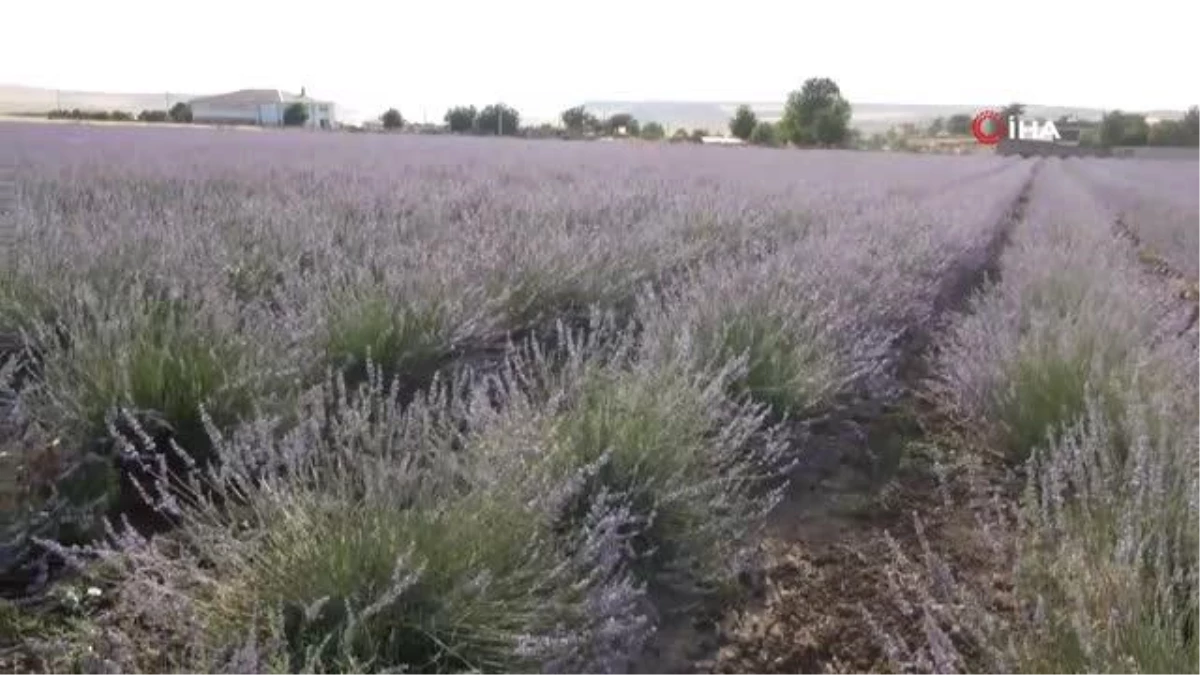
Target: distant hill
869 117
17 99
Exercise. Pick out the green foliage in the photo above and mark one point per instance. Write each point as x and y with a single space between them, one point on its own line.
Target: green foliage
764 134
461 119
401 340
784 361
1047 391
1123 129
379 584
655 448
959 124
180 112
698 135
499 120
816 115
1191 123
93 115
1013 110
392 119
166 362
153 116
743 123
653 131
1167 133
295 115
578 120
615 123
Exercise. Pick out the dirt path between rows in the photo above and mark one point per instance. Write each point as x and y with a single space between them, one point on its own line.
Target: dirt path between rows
829 544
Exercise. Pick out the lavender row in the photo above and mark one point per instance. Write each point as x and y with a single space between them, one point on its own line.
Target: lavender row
1158 200
1074 366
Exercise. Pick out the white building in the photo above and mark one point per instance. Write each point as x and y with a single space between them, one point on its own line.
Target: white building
264 107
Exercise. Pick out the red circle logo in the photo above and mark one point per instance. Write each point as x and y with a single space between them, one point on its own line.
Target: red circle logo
989 127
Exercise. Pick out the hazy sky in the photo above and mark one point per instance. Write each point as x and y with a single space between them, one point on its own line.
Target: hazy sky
545 55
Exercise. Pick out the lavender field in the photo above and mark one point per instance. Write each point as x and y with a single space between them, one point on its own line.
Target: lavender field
284 402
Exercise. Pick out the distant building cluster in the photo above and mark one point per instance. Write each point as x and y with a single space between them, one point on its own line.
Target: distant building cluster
262 107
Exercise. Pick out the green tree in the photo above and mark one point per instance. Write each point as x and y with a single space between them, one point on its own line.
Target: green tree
937 126
578 120
959 125
1112 128
1137 130
498 119
1191 125
295 115
619 121
1013 110
763 134
680 136
653 131
1171 133
698 135
180 112
817 114
1118 128
743 122
392 119
461 119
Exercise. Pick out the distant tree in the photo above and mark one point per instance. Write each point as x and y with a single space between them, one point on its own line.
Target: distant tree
937 126
152 116
959 125
1172 133
1118 128
392 119
120 116
1137 130
615 123
680 135
763 134
180 112
816 114
577 120
295 115
499 119
698 135
461 119
1191 125
1013 110
653 131
743 122
1112 128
